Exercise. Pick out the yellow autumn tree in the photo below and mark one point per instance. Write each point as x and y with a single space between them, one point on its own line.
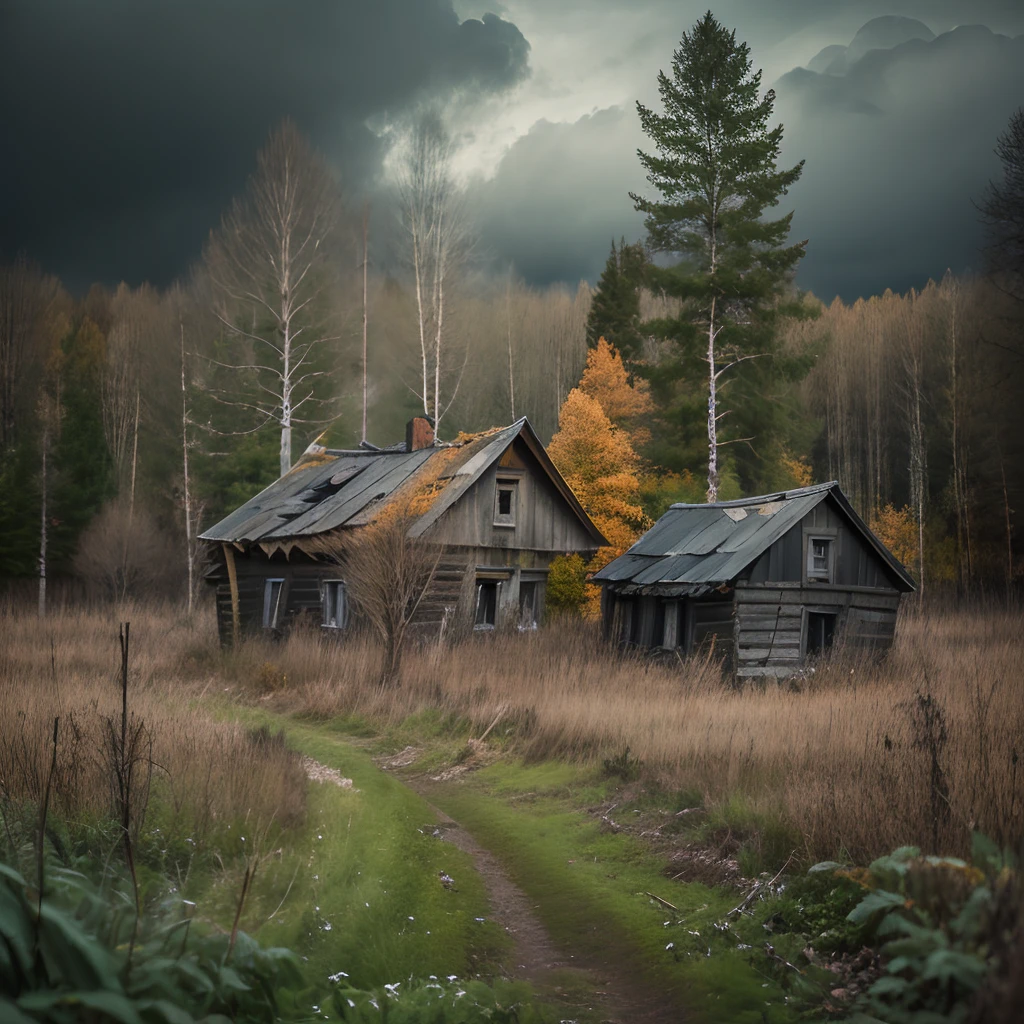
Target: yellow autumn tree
896 528
606 381
598 461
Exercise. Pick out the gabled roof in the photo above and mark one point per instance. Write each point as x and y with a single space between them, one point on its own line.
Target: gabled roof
332 489
696 548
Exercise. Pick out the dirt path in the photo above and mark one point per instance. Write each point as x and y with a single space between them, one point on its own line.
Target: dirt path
595 992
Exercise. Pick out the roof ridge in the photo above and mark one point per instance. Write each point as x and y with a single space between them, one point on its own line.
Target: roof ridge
796 492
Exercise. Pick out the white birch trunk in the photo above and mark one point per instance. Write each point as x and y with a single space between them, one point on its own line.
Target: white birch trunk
508 324
712 494
366 231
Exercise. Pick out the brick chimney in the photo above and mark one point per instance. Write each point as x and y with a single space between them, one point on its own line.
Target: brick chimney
419 433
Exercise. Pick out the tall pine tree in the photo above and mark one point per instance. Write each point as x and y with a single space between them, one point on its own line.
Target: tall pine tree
615 310
715 167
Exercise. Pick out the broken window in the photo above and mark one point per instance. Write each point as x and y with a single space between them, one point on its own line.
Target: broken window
529 604
505 500
272 590
819 559
821 629
335 604
486 603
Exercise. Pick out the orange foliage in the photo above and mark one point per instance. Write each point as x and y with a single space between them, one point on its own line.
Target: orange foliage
897 530
598 462
605 379
798 468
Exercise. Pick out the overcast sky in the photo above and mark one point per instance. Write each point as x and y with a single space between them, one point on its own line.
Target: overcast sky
129 125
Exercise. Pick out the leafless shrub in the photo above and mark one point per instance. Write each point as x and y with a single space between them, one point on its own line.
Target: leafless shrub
387 574
124 553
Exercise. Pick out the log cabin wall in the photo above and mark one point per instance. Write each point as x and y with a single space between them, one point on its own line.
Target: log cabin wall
777 603
686 624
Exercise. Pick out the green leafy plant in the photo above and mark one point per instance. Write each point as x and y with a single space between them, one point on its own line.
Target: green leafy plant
932 915
69 958
622 766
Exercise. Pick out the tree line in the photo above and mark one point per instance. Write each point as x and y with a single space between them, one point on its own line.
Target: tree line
695 370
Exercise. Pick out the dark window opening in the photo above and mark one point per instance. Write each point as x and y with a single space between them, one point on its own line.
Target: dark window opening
821 628
529 604
505 503
681 622
335 605
486 603
658 640
272 603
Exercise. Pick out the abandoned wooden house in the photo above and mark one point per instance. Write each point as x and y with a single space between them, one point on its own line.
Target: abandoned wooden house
769 581
494 502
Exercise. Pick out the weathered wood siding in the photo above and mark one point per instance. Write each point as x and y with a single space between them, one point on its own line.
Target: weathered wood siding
684 624
543 521
301 591
856 564
771 622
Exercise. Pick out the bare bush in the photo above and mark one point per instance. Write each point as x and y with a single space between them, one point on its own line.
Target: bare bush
125 553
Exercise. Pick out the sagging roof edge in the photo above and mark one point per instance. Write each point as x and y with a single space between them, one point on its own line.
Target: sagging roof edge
520 428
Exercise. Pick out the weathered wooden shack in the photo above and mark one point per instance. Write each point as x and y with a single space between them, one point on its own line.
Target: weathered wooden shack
493 501
769 581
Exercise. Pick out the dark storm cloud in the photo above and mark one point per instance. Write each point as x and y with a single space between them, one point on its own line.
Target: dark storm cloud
559 197
896 149
128 126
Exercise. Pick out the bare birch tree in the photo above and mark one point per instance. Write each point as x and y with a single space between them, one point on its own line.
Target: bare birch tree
436 222
269 267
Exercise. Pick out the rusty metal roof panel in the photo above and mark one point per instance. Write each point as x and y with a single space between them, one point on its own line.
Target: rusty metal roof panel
328 489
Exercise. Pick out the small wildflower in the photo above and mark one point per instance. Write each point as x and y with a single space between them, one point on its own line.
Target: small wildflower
336 977
671 945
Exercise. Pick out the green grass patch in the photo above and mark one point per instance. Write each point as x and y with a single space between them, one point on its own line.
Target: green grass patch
358 891
589 886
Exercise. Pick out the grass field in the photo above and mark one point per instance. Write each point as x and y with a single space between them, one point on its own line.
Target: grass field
855 760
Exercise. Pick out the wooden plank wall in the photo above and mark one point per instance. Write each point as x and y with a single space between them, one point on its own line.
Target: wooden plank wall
770 622
544 521
856 563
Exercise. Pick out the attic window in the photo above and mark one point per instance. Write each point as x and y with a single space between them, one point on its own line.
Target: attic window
819 559
506 494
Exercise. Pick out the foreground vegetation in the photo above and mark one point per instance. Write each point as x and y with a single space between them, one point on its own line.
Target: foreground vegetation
609 786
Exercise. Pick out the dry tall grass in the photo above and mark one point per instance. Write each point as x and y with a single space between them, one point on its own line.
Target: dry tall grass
860 757
209 774
921 748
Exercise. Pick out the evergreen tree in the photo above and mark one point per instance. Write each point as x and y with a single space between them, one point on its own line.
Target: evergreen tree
715 167
1003 211
615 310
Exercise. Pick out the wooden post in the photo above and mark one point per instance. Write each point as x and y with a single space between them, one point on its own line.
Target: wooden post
229 561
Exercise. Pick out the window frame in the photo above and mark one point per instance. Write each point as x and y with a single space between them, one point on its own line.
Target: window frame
509 484
268 590
809 574
328 603
833 611
481 582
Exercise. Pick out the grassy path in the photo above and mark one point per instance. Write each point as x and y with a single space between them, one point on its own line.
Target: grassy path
541 893
589 888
